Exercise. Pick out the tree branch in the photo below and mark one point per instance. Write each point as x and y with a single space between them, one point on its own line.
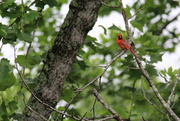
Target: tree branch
99 98
92 81
126 21
144 72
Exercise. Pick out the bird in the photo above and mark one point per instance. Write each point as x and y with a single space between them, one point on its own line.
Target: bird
125 44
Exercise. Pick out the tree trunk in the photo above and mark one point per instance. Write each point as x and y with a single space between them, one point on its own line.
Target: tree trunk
78 22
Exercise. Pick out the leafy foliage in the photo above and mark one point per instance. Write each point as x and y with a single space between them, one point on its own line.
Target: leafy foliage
121 85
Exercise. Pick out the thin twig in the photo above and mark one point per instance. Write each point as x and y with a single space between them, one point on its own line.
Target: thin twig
2 44
173 89
144 94
136 13
108 5
81 119
93 108
36 113
132 102
143 119
99 117
99 66
30 44
165 79
16 67
107 118
99 98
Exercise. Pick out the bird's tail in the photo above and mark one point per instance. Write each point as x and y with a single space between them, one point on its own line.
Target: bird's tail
134 52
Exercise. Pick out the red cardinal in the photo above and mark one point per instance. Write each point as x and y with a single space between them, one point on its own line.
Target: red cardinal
125 44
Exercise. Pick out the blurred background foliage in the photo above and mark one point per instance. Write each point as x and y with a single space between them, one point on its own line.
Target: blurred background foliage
35 24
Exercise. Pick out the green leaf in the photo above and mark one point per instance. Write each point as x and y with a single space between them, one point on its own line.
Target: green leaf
129 88
61 108
150 41
31 61
105 32
135 74
163 72
3 33
89 38
128 13
81 64
62 1
155 57
67 94
34 60
147 43
17 116
24 36
163 87
11 35
137 25
31 15
21 60
170 70
12 106
39 3
91 42
114 27
3 109
172 73
7 78
7 3
51 3
151 70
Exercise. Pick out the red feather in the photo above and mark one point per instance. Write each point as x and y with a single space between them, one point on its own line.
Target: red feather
125 44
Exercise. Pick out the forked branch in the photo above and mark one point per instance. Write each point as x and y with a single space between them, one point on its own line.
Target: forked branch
144 72
99 98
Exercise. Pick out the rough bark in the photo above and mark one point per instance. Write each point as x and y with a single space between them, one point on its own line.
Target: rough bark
78 22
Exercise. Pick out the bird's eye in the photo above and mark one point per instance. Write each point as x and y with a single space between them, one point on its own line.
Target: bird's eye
120 37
